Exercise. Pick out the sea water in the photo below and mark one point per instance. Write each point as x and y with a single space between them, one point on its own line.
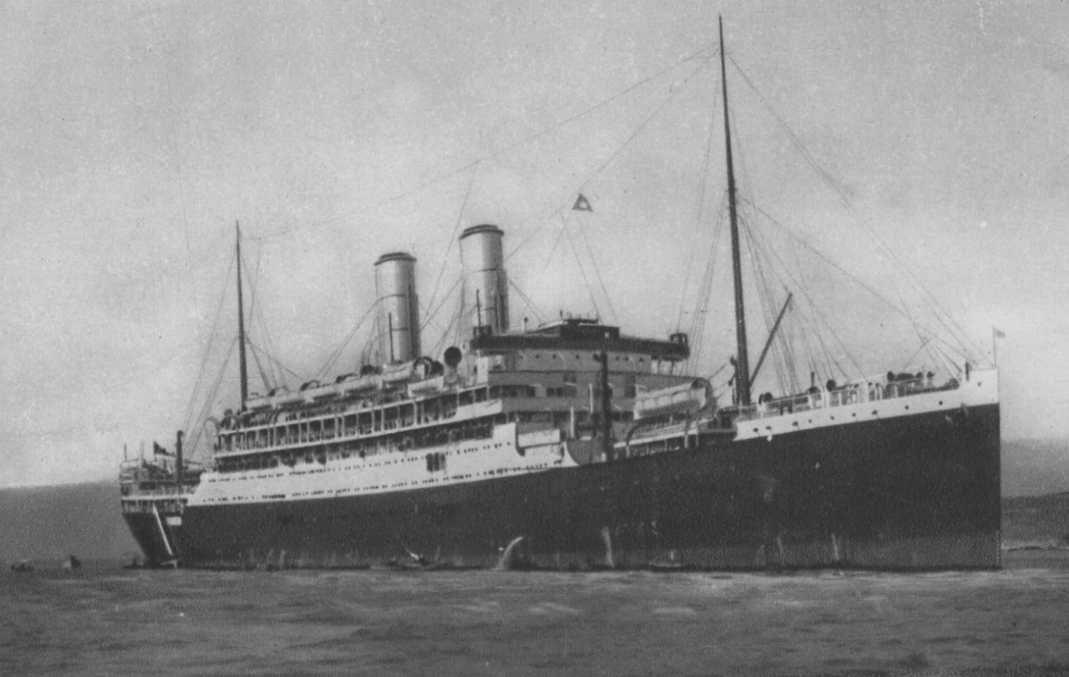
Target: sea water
106 620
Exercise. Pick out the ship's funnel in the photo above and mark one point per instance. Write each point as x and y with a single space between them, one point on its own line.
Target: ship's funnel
486 287
395 282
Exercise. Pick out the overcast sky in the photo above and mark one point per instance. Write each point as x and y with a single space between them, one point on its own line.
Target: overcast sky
134 135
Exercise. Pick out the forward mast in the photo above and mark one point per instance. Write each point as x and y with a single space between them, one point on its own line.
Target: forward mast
742 362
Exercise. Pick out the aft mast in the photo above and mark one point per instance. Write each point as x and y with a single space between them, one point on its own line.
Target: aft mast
241 322
742 366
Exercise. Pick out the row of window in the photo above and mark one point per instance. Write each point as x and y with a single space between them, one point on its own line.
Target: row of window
624 357
404 415
472 430
377 487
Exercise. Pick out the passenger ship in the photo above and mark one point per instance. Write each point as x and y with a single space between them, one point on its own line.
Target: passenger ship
576 446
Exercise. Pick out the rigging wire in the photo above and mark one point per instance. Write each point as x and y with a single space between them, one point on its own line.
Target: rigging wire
548 129
949 364
601 282
705 291
253 308
673 90
273 376
337 352
256 311
456 322
453 236
372 352
703 181
794 282
440 345
800 240
441 303
553 127
563 204
209 402
556 243
765 295
912 357
433 310
582 270
273 360
188 420
260 368
818 314
782 357
857 280
967 346
527 300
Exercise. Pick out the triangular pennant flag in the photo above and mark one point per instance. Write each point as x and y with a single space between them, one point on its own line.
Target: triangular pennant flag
582 204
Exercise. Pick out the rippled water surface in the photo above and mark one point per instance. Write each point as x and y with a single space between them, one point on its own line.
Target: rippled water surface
105 620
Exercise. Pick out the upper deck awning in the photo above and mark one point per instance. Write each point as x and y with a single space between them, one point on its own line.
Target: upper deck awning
579 334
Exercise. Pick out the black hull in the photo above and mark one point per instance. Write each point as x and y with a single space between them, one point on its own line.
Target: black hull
915 492
146 531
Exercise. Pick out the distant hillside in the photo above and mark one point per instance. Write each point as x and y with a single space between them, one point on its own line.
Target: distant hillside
1040 520
1033 467
52 522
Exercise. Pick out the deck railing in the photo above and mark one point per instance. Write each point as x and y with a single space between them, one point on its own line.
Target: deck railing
871 390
